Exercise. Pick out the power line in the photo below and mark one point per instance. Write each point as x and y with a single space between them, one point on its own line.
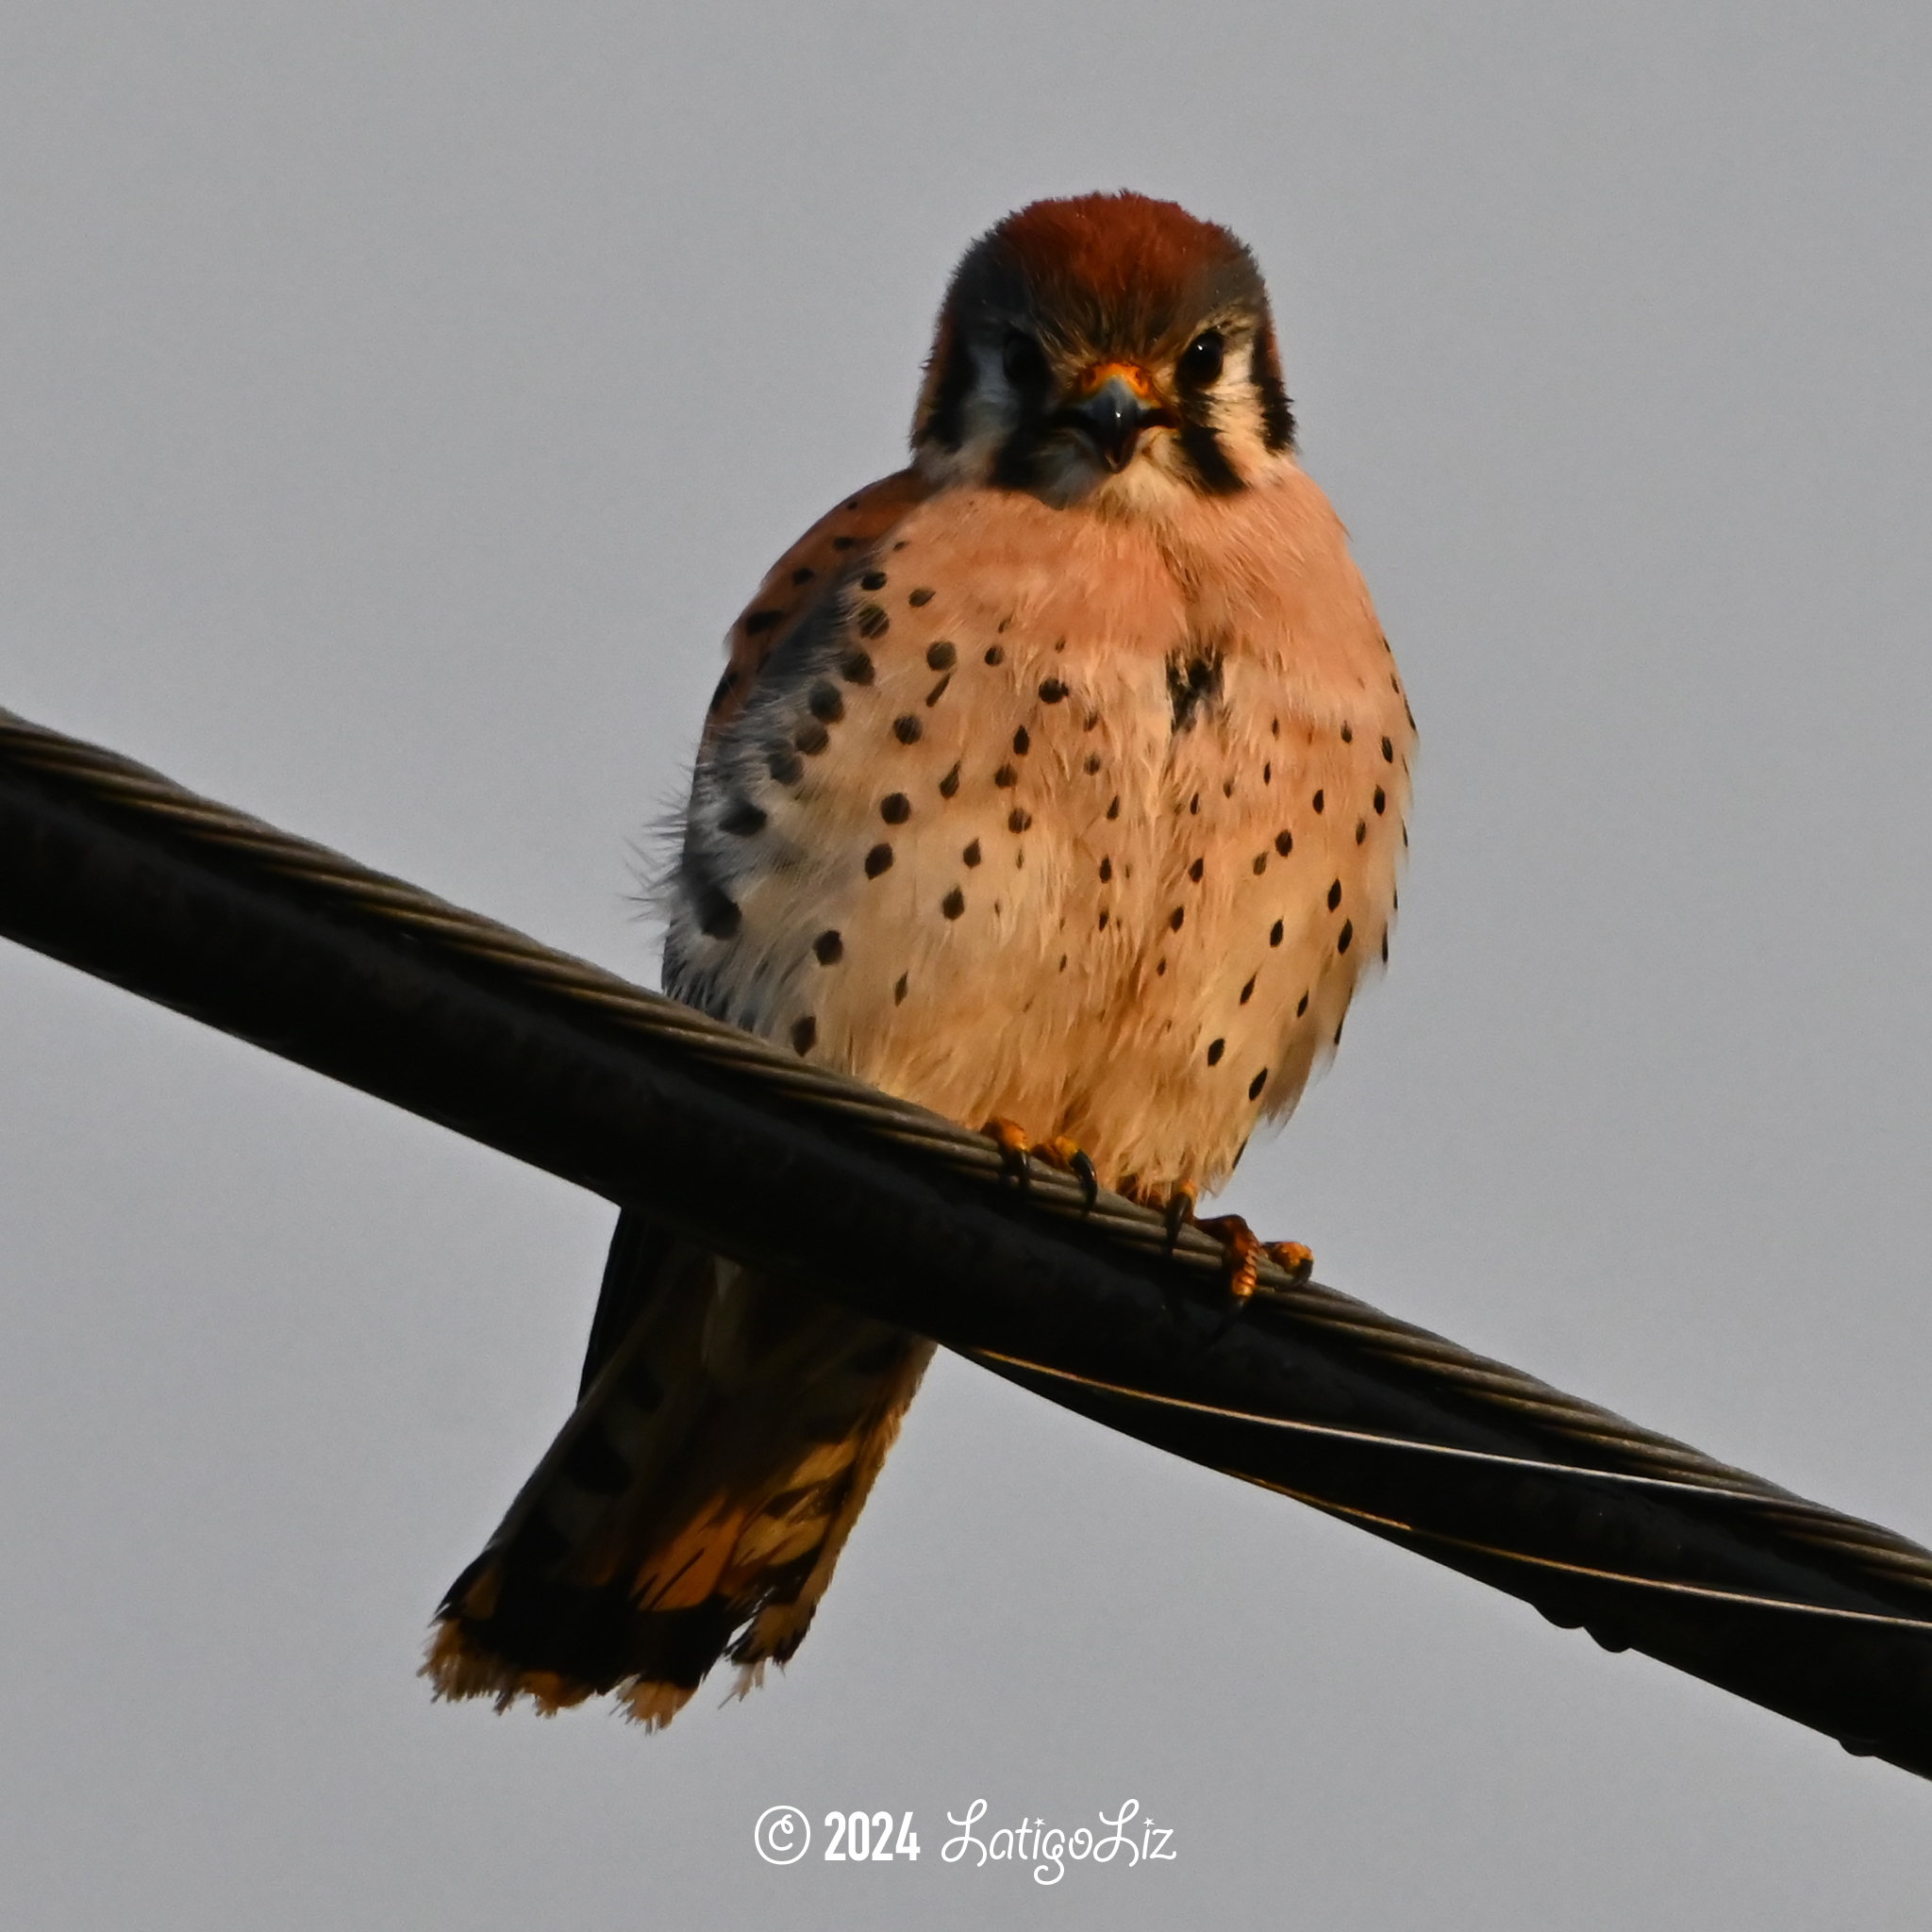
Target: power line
1598 1522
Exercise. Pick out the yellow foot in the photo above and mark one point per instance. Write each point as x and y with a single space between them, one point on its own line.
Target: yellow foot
1071 1158
1068 1156
1009 1136
1242 1248
1294 1260
1240 1252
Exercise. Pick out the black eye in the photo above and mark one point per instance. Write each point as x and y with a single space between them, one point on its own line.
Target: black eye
1025 361
1200 362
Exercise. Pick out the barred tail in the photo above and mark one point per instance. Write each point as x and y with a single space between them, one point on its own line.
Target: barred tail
695 1506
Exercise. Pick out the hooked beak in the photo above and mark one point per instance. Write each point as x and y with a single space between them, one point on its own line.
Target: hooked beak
1114 410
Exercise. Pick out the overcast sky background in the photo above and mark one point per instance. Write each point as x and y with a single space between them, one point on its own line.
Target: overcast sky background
398 400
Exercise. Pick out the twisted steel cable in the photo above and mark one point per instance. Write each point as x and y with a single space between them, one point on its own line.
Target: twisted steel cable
1093 1304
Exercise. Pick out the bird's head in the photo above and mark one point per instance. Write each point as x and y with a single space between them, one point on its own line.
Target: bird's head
1109 350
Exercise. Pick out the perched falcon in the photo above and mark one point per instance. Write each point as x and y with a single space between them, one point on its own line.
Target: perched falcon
1057 782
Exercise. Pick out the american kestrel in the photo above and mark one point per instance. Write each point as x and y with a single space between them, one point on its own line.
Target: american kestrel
1057 782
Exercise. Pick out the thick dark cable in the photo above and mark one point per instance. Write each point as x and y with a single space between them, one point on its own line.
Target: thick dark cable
1642 1539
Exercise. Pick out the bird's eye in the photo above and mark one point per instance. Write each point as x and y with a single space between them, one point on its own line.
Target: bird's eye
1025 361
1200 362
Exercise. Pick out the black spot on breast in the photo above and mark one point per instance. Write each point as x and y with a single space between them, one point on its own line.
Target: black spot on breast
1261 863
812 738
744 820
1104 916
1335 895
825 703
1106 870
995 654
1064 962
941 655
1267 774
1381 801
952 904
1093 765
1159 968
1348 734
759 621
899 991
920 596
1338 1025
1346 937
872 622
1113 810
907 729
1215 1049
895 807
971 854
1005 777
718 916
1194 870
830 947
844 543
855 666
1317 801
1248 990
1195 802
1361 830
878 859
1275 934
804 574
1385 945
873 580
1051 691
938 692
785 765
1022 744
1284 842
1192 683
950 783
1176 918
1018 820
1256 1084
1388 752
1302 1006
804 1033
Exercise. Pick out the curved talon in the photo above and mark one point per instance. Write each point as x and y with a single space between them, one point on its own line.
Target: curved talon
1070 1157
1011 1138
1242 1250
1295 1260
1181 1209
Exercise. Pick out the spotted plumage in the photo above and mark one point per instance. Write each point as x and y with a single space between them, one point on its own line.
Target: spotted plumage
1052 780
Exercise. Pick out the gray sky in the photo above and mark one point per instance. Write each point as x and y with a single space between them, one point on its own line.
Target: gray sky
397 402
